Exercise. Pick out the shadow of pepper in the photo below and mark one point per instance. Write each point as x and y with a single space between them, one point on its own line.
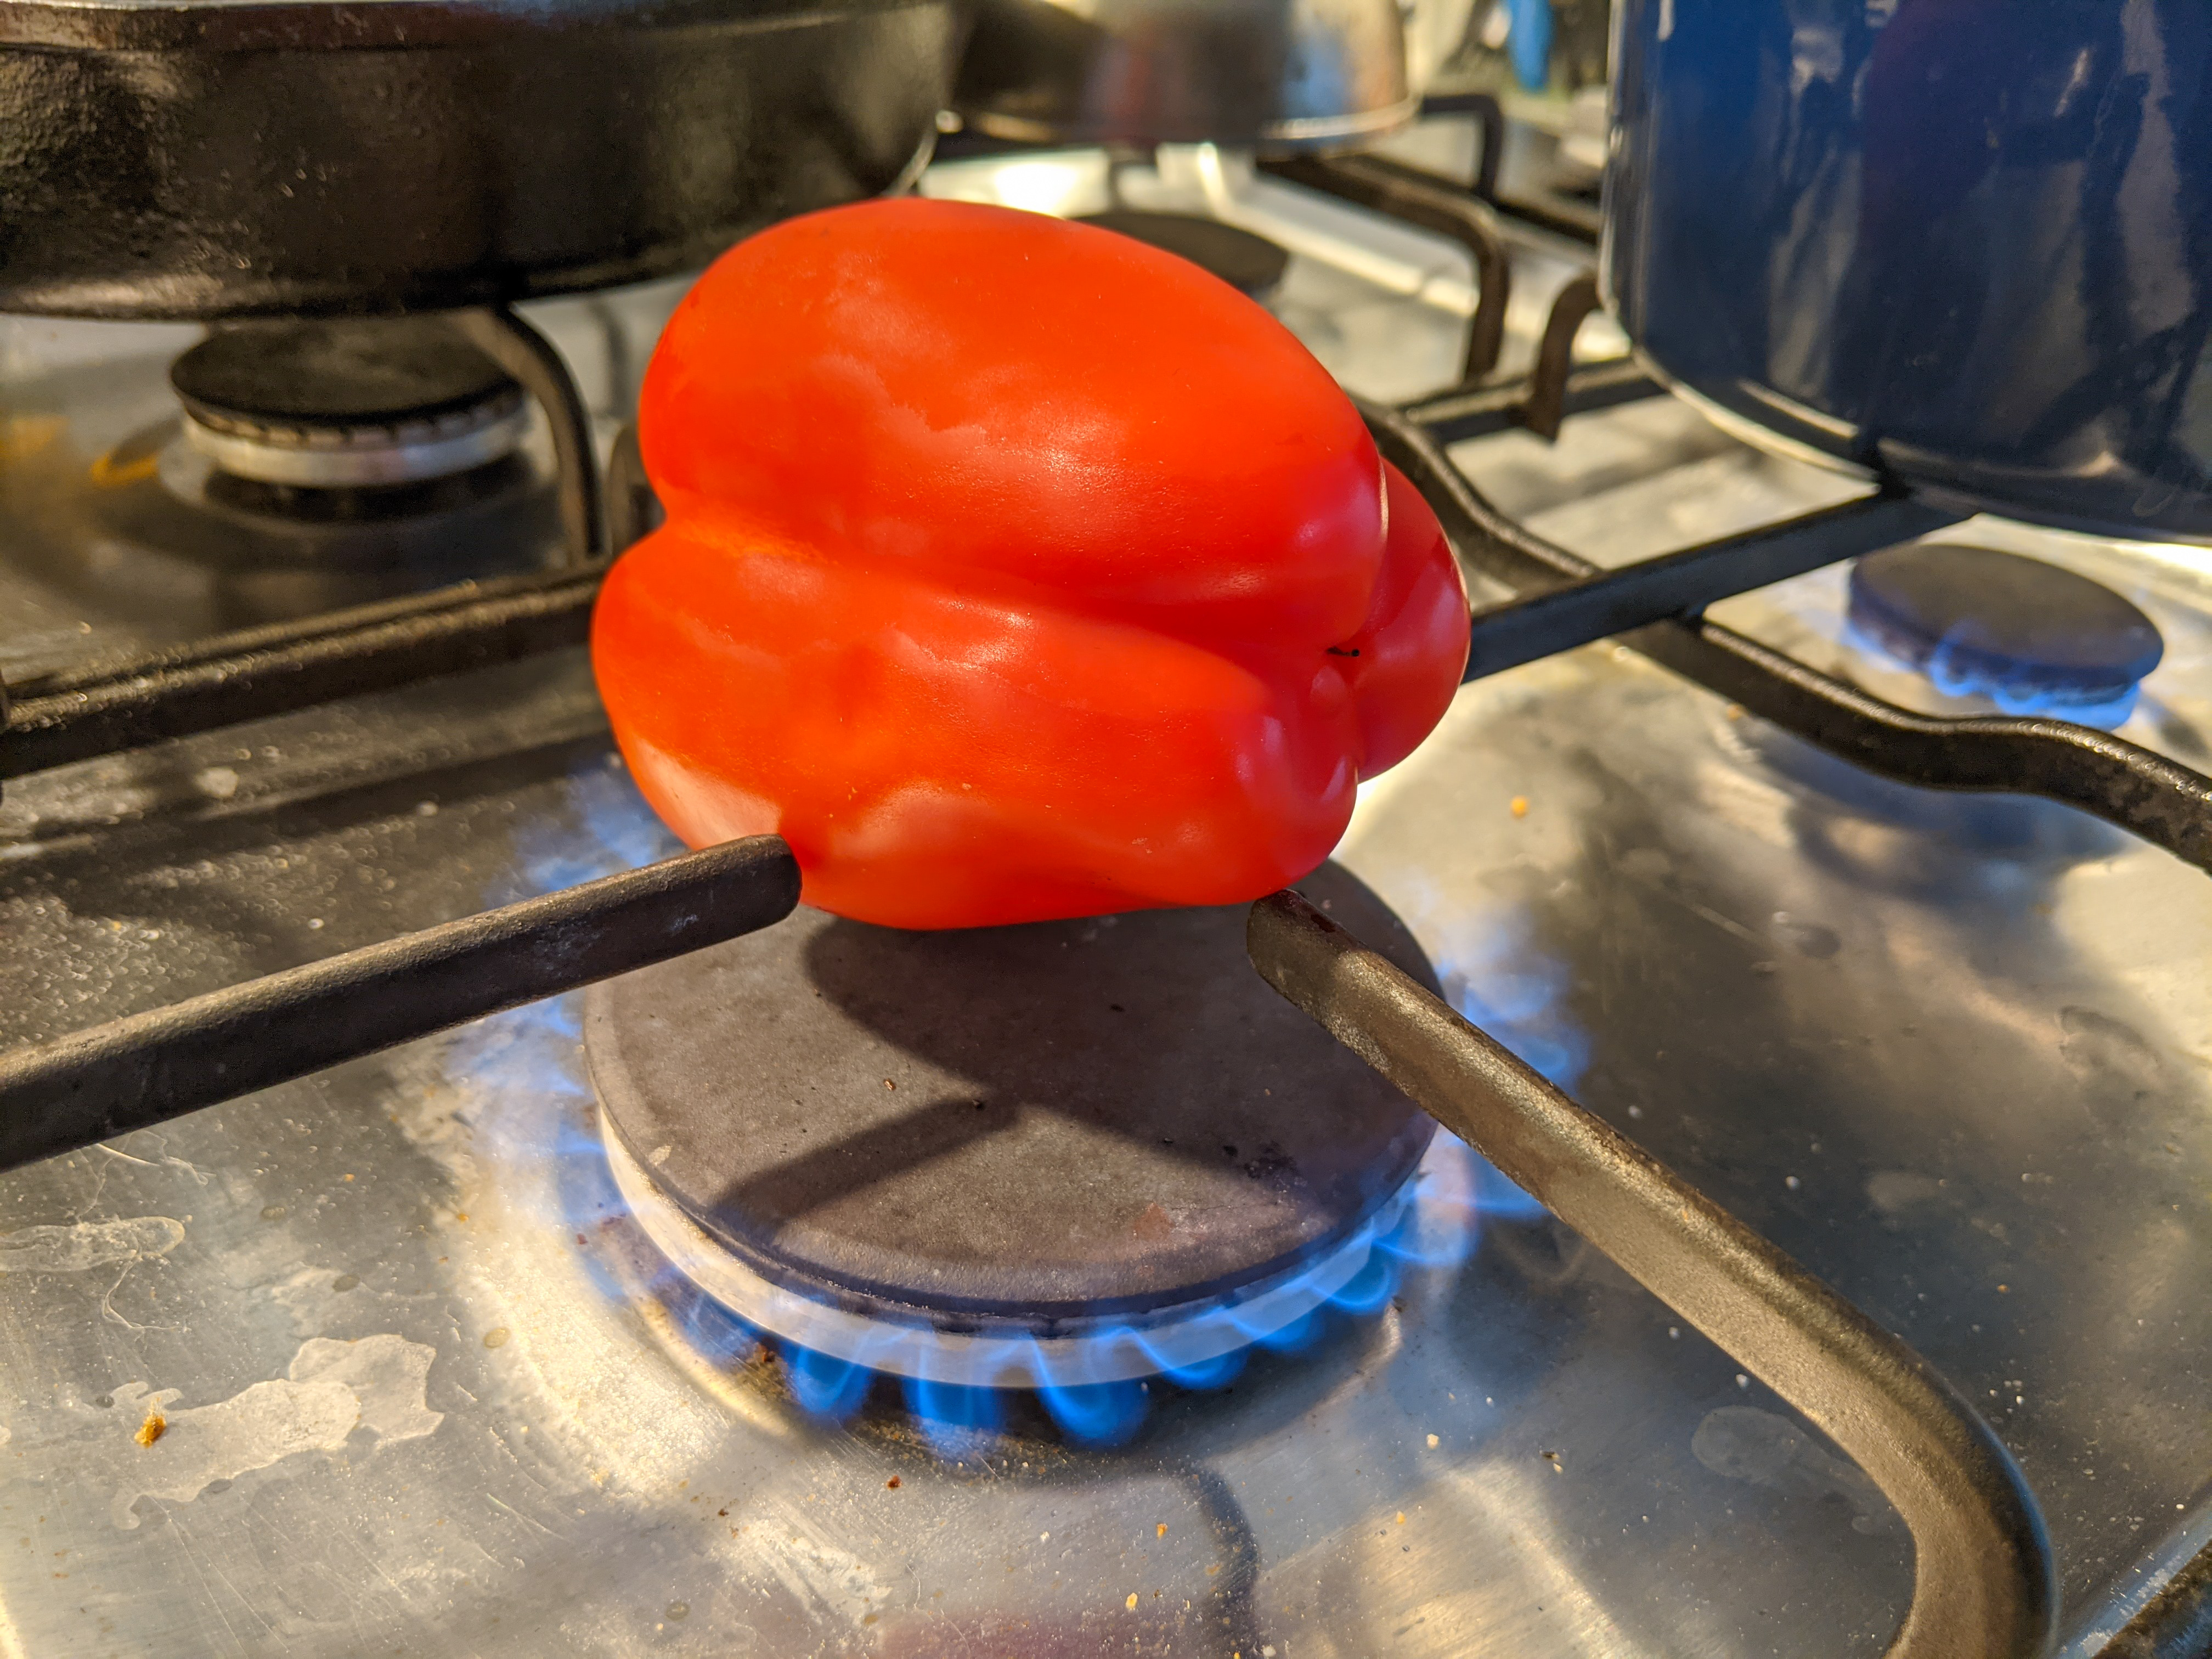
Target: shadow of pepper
1156 1032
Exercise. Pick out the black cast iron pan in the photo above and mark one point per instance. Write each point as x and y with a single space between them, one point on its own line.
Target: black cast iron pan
226 158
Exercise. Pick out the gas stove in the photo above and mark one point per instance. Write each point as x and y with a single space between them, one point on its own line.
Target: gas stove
1065 1290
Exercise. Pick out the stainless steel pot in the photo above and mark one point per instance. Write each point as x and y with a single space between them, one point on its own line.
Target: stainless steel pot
1279 74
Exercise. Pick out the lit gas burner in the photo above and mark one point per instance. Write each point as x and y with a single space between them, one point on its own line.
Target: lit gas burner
2029 636
1066 1157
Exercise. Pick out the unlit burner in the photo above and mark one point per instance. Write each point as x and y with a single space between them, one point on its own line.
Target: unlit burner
2032 637
1040 1156
348 403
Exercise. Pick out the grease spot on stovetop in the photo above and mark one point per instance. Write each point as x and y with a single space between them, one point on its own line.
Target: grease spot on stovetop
330 1390
74 1248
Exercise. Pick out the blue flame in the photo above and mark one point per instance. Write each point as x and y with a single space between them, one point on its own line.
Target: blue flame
522 1062
954 1418
1218 1372
713 1330
1500 1198
824 1387
1097 1413
1502 983
1953 668
1497 977
619 832
1300 1335
1822 602
1438 1230
1098 1387
1492 971
1957 669
1089 1410
1370 1289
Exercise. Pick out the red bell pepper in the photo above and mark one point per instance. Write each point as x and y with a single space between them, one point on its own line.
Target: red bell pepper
1013 569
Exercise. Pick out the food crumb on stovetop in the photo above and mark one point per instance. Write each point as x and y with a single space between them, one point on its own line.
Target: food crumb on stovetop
152 1429
891 1484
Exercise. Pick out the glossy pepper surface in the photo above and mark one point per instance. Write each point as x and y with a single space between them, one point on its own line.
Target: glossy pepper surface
1013 569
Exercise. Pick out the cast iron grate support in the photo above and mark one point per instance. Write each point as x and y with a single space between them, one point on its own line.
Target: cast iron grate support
109 708
1984 1583
130 1074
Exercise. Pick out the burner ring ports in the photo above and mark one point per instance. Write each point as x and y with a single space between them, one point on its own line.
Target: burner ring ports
345 405
359 457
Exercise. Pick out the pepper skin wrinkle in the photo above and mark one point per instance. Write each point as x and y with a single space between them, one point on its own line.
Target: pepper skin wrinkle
1013 570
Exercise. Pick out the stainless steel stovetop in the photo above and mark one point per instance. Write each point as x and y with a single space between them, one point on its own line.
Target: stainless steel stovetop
427 1388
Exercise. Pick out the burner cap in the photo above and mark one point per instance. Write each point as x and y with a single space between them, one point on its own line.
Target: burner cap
347 402
2033 637
873 1142
1250 263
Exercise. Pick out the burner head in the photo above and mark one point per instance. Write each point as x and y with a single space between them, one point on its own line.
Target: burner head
1251 265
966 1155
2033 637
359 402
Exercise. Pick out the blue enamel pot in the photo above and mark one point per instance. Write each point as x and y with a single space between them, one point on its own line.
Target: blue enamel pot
1965 245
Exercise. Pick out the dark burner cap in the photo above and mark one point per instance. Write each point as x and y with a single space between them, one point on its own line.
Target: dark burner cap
1979 622
1250 263
344 372
1114 1115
